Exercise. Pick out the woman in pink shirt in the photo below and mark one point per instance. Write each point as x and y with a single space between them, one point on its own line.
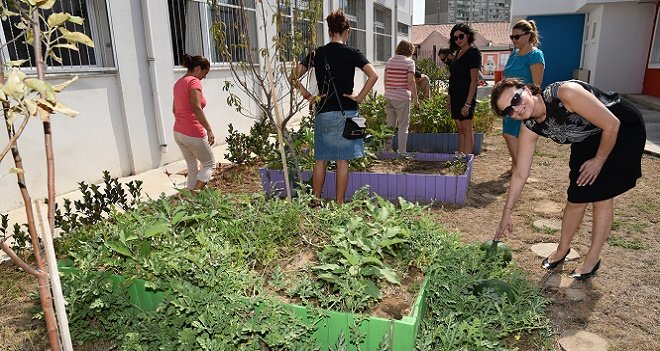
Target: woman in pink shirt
192 131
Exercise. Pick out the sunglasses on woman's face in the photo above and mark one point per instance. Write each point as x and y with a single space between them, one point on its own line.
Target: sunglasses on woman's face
515 101
516 36
459 36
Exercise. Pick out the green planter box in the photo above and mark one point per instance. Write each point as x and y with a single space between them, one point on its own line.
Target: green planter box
401 334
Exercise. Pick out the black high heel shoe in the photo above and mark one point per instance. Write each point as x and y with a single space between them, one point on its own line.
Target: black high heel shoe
552 265
584 276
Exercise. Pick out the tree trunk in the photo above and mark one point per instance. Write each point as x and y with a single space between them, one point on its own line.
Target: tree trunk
49 248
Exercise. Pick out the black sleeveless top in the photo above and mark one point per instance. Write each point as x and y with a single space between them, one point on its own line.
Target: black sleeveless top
563 126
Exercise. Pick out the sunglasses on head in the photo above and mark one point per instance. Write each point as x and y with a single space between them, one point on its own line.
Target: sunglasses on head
459 36
515 101
517 36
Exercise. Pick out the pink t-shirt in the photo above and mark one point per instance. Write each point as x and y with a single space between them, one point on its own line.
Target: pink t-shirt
185 121
396 85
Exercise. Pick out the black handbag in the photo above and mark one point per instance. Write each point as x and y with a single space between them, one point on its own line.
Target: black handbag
354 128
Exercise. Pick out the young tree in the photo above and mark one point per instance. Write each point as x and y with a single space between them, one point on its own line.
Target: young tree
266 76
24 98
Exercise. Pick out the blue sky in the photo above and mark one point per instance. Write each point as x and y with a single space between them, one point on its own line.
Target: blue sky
418 12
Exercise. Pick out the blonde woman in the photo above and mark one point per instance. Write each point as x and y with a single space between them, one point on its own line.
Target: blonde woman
528 64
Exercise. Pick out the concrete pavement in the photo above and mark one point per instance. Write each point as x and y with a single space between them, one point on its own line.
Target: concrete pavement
650 108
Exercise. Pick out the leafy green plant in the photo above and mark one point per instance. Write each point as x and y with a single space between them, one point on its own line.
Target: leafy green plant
247 148
433 116
456 167
19 233
438 76
97 202
373 110
215 257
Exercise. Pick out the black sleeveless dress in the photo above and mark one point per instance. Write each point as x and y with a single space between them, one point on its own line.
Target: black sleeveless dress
624 164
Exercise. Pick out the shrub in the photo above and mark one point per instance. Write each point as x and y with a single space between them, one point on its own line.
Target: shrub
247 148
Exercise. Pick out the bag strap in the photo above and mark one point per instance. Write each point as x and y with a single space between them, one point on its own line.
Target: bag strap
332 80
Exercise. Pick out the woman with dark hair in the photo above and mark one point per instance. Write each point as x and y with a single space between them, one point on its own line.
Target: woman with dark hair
463 81
527 63
192 131
607 138
329 144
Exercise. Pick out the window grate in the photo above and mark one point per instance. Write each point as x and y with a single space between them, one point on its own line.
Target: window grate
191 21
96 26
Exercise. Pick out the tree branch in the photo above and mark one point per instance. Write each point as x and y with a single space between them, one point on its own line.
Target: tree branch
14 257
14 138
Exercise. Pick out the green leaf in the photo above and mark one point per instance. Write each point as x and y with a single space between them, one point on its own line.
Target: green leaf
389 275
328 278
177 217
66 46
77 37
119 248
59 107
371 289
15 63
45 4
351 258
57 19
42 87
155 229
327 267
76 19
390 242
373 260
31 106
14 85
59 87
16 170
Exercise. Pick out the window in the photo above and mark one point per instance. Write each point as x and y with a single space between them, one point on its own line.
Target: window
402 28
382 33
191 21
300 33
356 13
96 26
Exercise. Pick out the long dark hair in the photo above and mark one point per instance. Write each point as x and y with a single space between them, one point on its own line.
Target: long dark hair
190 62
463 27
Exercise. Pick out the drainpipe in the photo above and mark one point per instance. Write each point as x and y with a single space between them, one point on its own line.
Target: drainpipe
158 116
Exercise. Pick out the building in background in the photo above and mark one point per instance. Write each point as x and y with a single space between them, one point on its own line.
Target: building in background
455 11
124 91
492 38
612 45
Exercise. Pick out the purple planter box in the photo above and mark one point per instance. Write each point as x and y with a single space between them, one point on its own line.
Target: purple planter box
422 188
446 143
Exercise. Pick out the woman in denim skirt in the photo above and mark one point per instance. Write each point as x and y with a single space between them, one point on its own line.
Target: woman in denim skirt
329 144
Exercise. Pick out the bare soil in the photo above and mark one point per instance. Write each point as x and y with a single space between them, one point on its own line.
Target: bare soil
621 303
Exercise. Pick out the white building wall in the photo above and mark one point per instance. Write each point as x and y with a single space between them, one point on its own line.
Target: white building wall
625 31
117 126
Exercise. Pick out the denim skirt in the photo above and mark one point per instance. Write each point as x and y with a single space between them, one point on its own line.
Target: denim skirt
329 144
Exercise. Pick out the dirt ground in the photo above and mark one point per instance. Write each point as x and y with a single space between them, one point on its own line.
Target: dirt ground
620 304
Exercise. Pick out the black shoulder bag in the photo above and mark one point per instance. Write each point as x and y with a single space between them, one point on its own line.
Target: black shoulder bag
352 129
